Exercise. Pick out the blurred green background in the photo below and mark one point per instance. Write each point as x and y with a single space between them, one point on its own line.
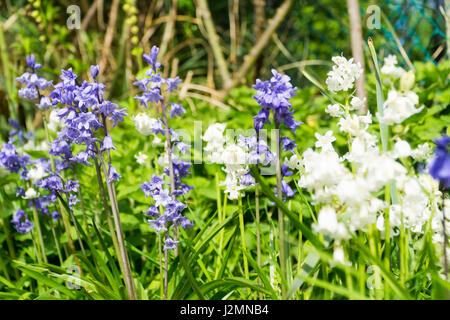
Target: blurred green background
115 33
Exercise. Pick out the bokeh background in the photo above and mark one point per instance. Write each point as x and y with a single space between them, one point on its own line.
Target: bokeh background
115 33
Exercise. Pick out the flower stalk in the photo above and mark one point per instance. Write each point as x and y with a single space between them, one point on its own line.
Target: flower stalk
127 274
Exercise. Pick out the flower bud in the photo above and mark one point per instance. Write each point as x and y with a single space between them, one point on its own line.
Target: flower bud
407 81
94 71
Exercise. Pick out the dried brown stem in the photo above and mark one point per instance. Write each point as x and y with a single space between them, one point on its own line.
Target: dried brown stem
113 14
357 48
262 42
214 41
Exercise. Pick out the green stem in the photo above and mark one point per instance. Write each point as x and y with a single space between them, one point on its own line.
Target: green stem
258 233
221 218
108 213
300 240
40 243
9 80
387 241
76 229
127 274
10 244
280 212
244 246
83 208
58 248
61 206
373 251
3 266
166 267
161 274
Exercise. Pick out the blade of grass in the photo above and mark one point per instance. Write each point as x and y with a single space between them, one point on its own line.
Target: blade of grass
188 271
262 276
334 288
227 253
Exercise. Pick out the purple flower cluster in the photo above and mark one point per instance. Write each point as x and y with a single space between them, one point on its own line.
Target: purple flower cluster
32 83
274 94
440 168
11 160
151 87
17 133
21 222
171 208
285 188
153 92
50 182
43 204
257 150
84 112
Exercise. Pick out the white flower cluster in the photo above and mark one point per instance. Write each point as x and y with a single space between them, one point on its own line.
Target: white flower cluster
36 173
141 158
390 67
336 111
54 122
31 193
347 189
32 146
402 149
222 151
400 104
215 139
145 126
343 74
234 158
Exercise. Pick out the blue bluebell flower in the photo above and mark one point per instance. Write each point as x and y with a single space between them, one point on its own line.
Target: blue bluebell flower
113 175
107 144
172 84
21 222
274 94
151 87
152 211
440 167
45 103
73 200
71 186
176 110
31 82
170 244
158 225
11 160
94 71
20 192
151 58
286 190
56 215
288 144
247 180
